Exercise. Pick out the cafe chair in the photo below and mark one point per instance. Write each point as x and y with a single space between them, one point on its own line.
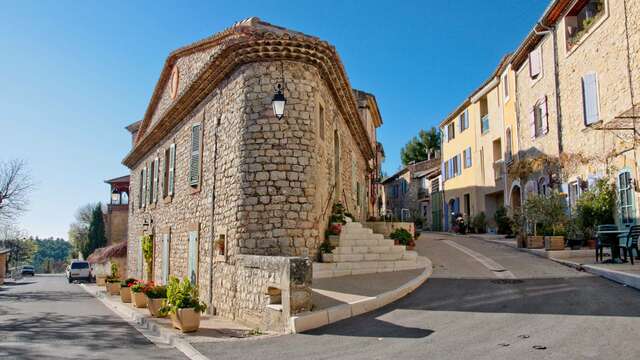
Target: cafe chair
604 240
631 243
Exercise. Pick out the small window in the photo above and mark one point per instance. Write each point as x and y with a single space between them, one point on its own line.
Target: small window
509 150
581 18
451 131
542 186
464 121
539 118
505 86
165 172
467 158
574 194
141 189
625 197
321 121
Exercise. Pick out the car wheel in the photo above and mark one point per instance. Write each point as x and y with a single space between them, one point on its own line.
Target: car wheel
70 281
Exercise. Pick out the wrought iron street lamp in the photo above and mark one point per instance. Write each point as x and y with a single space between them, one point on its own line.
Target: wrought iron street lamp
278 102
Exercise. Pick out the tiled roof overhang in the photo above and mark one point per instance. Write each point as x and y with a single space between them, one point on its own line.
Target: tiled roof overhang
244 43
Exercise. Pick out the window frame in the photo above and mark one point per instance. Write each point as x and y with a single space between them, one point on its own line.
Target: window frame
195 184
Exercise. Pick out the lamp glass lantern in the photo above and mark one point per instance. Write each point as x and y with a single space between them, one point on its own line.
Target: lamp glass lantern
278 102
115 197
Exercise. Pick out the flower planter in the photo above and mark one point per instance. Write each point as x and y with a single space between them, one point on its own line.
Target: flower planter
113 288
521 241
326 257
139 299
410 247
396 242
125 294
591 244
535 242
101 280
187 320
554 242
154 306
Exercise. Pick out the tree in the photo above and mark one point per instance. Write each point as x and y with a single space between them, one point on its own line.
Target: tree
419 147
20 248
51 255
97 237
79 230
15 186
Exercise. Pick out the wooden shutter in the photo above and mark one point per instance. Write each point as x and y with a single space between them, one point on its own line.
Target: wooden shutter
139 259
144 187
172 167
459 160
166 243
193 257
466 119
156 182
532 122
194 168
590 98
444 169
445 133
141 189
544 113
535 62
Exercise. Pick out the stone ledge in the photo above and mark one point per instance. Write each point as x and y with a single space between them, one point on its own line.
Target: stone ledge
315 319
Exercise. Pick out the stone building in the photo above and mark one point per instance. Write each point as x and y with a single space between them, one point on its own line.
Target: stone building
408 192
578 85
116 218
234 197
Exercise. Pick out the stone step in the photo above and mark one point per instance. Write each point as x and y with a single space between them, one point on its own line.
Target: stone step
325 270
368 249
353 226
409 255
364 257
360 236
371 243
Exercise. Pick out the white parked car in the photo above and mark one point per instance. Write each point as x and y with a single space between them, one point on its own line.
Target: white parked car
79 270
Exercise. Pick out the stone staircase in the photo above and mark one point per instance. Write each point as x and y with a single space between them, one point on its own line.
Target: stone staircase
360 251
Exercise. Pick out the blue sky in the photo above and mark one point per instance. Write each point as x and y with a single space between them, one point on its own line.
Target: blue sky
74 74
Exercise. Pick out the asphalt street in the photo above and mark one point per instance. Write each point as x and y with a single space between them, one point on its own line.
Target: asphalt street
44 317
469 309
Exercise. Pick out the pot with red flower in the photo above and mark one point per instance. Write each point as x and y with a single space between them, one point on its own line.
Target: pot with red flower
138 296
125 289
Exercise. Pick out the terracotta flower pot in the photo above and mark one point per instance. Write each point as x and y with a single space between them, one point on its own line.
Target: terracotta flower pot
535 242
187 320
113 288
100 280
591 244
125 294
139 299
154 306
554 242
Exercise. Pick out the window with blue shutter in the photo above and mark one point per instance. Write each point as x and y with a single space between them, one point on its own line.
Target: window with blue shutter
172 168
166 243
193 257
467 158
196 144
156 179
590 98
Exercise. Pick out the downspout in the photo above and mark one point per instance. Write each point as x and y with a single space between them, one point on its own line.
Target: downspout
556 78
213 206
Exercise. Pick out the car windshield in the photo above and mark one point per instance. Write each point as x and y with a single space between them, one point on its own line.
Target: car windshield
28 267
80 265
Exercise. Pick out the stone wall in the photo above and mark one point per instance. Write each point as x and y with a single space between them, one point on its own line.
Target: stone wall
116 223
271 178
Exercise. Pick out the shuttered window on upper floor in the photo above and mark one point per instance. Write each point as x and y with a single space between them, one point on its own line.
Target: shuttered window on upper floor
196 158
590 98
535 62
539 118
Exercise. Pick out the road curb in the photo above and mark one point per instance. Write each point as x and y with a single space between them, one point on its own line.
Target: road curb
612 275
151 330
311 320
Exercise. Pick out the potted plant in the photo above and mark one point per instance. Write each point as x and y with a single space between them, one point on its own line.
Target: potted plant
138 296
156 296
326 251
183 305
596 207
112 282
125 289
147 252
400 236
411 244
555 220
534 215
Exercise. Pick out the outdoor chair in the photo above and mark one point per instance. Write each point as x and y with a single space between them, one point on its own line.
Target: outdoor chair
604 240
631 243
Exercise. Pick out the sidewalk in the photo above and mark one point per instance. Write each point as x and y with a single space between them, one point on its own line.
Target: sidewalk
161 332
583 260
340 298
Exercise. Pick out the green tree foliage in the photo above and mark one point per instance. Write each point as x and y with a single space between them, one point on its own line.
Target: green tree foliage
52 255
418 147
96 236
79 230
596 207
504 222
547 214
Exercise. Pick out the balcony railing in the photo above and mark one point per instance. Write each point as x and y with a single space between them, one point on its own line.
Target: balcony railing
498 169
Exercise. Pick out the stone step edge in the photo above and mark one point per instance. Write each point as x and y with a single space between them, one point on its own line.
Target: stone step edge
315 319
347 268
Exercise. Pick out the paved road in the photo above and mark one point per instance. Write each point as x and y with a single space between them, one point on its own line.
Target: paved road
470 309
46 318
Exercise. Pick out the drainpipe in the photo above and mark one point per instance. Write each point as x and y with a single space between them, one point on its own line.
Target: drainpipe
556 78
213 206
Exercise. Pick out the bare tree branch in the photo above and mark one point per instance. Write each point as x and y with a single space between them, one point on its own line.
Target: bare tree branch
15 186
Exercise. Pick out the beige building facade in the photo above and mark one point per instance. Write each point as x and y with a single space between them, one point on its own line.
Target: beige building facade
235 198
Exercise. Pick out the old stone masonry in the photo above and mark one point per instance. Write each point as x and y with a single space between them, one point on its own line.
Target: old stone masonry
233 197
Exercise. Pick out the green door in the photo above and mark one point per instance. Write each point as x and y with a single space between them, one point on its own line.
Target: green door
436 211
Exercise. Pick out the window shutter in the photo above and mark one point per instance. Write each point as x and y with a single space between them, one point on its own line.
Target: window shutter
444 169
459 160
532 122
590 98
144 187
166 238
535 62
193 257
194 168
466 119
141 189
172 167
545 115
156 180
445 134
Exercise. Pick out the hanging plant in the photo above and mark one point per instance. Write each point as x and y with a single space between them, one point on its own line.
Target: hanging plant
147 252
